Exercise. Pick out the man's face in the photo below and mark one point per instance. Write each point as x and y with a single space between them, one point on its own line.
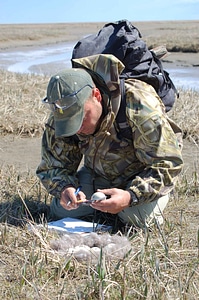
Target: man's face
92 113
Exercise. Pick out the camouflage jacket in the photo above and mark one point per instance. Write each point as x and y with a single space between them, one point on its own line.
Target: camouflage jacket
147 163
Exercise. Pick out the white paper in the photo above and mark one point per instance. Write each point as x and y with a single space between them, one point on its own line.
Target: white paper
76 226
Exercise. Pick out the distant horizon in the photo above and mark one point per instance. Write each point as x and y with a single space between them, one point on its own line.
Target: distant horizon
88 11
136 21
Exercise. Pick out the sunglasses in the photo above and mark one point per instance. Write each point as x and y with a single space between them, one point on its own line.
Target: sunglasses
65 102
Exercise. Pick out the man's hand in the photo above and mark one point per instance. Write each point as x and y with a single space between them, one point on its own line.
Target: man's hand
119 200
68 198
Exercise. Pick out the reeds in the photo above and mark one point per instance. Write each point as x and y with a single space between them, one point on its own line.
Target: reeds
163 263
22 112
186 113
178 36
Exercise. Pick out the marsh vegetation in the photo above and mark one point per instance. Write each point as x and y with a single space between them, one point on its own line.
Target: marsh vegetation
163 263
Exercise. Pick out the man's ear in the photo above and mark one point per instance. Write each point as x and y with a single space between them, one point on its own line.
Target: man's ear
97 94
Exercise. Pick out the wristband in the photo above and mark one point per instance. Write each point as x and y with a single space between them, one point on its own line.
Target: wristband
134 200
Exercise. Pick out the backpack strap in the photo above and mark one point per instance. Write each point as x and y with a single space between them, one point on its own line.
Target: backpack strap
165 74
124 128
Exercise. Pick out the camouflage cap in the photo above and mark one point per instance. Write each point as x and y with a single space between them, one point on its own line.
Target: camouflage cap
68 90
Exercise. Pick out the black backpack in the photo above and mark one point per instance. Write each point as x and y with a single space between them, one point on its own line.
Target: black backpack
123 40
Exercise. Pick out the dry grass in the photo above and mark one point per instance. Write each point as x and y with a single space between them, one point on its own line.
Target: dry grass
186 113
163 264
42 34
22 112
176 35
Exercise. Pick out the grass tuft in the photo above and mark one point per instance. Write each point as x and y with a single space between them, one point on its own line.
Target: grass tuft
164 263
22 112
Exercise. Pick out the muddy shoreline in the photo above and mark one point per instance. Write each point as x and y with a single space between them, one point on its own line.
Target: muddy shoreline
12 148
26 37
179 35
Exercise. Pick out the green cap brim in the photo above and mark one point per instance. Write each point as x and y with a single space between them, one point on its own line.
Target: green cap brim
70 123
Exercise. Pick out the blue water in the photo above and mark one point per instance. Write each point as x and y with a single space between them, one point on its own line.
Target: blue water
37 60
48 60
184 77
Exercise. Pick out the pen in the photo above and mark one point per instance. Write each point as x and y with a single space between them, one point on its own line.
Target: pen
76 193
78 190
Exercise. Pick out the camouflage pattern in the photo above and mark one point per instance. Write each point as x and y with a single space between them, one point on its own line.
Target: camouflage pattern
148 163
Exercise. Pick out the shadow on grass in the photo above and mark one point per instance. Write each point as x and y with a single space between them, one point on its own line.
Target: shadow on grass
17 212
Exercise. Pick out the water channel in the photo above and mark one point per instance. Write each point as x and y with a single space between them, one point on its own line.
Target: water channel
47 60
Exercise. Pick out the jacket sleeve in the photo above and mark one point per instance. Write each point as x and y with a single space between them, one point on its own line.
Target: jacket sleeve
156 144
60 160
